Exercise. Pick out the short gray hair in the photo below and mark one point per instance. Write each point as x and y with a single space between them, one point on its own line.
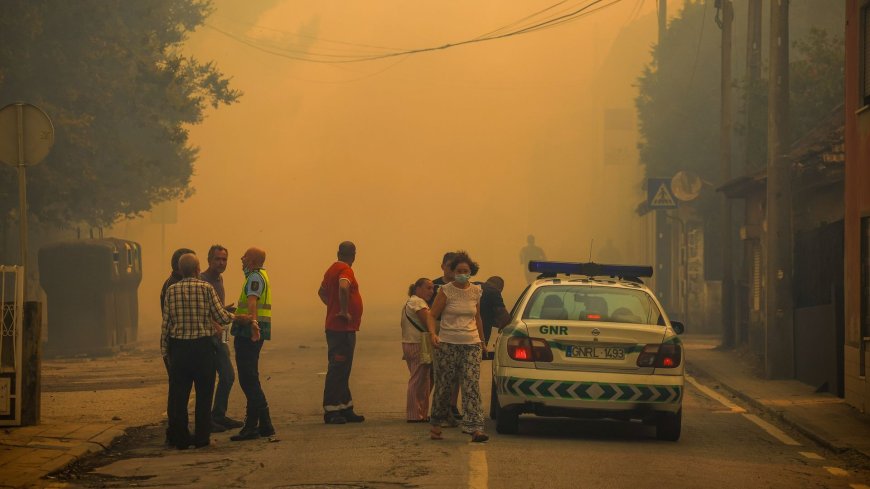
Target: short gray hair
188 264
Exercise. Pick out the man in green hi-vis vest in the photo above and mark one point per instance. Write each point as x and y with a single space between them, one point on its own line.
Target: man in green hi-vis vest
256 300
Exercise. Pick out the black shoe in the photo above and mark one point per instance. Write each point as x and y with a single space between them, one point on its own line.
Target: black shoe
266 429
334 418
454 411
351 416
249 430
217 428
228 422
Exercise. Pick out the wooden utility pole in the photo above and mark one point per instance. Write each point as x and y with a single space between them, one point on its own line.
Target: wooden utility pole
779 330
663 18
728 335
753 75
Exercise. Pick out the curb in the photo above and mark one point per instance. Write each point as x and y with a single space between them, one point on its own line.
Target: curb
784 417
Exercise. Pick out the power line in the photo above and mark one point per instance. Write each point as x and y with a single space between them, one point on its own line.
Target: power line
350 58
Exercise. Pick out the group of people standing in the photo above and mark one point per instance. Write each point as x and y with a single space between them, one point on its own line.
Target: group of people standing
197 324
446 325
194 341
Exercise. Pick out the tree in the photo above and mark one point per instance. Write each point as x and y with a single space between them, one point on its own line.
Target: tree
121 95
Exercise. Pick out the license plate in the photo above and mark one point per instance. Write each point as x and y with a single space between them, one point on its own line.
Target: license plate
596 352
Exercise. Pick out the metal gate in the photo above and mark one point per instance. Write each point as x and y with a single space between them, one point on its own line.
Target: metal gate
11 328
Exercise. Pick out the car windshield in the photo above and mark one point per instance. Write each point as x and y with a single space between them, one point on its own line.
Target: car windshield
593 303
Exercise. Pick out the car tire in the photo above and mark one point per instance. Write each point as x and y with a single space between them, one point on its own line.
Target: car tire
507 420
493 402
669 426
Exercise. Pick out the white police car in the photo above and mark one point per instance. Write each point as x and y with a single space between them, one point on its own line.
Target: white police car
589 340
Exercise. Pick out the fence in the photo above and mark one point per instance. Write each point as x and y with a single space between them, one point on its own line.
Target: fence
11 329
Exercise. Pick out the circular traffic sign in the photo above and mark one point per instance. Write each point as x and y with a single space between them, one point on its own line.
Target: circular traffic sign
37 134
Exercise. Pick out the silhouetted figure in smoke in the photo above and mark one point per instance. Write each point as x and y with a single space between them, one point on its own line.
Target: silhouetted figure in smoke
529 253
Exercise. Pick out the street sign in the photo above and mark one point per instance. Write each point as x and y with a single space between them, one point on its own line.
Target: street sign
659 194
28 126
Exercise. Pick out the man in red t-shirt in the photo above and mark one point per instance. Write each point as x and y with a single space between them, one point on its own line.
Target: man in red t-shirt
339 291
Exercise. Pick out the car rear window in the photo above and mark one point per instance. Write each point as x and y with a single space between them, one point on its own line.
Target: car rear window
593 303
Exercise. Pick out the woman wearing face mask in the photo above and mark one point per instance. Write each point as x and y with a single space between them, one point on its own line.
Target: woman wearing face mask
459 345
415 351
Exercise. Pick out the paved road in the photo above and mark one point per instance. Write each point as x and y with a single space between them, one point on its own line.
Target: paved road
721 446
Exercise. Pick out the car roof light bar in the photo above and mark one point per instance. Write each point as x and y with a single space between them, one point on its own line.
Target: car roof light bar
552 268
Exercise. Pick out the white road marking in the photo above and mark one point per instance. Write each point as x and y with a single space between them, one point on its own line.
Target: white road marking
812 455
769 428
772 430
837 471
715 395
478 472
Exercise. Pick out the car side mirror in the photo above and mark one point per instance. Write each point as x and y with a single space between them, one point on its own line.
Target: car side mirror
679 328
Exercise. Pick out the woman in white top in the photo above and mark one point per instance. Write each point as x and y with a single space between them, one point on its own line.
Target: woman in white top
459 346
414 316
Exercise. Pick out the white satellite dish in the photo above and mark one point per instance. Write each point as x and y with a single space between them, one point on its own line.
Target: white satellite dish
686 185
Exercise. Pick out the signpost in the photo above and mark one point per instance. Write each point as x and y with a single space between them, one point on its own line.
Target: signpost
26 137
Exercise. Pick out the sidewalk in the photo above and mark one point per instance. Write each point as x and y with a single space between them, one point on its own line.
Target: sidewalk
29 453
822 417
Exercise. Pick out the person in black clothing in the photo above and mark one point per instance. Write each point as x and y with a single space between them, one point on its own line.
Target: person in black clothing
493 312
174 278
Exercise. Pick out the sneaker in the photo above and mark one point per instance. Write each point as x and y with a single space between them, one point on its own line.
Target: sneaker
334 418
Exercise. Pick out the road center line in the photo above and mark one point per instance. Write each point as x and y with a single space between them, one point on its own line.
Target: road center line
715 395
812 455
772 430
478 472
837 471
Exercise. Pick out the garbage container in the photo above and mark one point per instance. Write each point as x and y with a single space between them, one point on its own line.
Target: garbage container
91 288
128 260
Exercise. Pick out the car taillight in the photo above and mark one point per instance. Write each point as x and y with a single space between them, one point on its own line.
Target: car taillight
529 350
660 356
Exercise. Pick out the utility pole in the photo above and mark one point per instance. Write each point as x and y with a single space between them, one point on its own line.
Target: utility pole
664 264
663 18
728 335
779 331
753 75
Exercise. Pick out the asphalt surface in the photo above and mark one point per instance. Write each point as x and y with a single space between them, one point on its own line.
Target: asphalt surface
720 447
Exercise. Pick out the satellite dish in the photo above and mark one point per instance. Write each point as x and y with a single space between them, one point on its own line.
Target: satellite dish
686 185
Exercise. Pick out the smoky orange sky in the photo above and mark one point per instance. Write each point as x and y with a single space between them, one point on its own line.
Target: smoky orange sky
473 147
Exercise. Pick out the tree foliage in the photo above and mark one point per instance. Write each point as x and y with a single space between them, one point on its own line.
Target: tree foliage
121 95
679 92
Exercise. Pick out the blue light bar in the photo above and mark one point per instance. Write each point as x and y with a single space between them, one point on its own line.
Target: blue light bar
553 268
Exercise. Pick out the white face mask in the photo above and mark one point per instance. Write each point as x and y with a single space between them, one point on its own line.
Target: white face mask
462 277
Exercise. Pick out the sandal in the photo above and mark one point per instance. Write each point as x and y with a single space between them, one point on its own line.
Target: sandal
435 433
479 437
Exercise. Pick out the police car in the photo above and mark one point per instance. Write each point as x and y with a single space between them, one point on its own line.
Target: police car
589 340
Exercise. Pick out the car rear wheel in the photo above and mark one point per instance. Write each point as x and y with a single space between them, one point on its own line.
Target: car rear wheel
507 420
669 426
493 402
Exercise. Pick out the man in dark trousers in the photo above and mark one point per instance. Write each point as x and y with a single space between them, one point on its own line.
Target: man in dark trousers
256 300
493 312
174 278
339 291
220 422
190 308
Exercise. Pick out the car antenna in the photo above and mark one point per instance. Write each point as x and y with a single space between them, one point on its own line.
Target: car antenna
590 249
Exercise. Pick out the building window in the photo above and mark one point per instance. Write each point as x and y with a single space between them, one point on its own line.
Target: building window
865 54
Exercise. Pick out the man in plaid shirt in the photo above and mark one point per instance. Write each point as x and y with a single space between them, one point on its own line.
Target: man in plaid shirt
188 311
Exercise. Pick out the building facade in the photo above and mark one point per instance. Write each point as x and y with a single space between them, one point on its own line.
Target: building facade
857 205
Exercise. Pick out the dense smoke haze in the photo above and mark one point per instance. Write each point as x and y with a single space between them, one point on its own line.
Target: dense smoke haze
473 147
